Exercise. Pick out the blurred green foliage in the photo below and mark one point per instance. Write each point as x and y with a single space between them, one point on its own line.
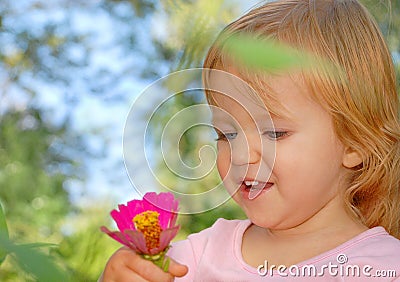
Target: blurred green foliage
3 233
39 266
38 156
34 170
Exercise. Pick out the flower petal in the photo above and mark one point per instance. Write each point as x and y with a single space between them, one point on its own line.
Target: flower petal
121 219
167 235
166 219
164 201
172 221
127 212
165 204
135 207
137 238
121 238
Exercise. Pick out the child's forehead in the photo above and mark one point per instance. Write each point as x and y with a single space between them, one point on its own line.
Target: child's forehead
227 88
244 117
224 88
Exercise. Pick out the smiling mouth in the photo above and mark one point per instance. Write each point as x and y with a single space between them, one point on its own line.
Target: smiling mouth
252 189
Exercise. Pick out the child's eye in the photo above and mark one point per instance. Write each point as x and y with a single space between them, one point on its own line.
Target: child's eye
226 136
275 135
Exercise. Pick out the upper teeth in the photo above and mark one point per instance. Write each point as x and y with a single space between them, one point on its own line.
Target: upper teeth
251 183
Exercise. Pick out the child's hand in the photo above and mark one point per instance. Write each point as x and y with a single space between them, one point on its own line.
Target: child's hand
126 265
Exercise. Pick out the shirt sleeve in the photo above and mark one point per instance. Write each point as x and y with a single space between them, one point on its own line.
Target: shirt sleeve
206 248
182 252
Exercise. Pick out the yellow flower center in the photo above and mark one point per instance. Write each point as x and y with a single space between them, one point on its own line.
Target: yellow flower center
147 223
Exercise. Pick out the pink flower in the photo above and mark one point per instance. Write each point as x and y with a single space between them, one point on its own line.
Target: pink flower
146 226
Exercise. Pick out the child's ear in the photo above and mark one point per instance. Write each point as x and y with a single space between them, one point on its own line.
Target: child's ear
351 158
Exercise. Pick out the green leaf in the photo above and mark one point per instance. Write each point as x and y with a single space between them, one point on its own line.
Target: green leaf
265 54
3 232
37 245
32 261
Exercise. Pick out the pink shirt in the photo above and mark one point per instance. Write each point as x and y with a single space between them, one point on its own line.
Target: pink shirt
214 254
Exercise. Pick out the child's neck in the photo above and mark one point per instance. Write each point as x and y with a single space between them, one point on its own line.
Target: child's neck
297 244
344 225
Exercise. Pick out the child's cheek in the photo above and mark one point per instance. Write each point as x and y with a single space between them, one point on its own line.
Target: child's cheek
224 163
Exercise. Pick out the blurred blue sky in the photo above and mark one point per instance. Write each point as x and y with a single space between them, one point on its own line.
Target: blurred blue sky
113 118
91 114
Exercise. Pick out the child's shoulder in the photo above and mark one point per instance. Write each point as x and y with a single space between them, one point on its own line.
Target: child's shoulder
375 248
375 241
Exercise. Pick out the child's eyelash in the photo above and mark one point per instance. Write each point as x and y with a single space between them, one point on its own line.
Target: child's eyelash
225 136
275 135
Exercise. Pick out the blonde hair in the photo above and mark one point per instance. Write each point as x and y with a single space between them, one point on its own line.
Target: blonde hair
361 98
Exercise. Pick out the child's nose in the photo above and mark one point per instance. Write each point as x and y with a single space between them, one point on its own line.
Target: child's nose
246 149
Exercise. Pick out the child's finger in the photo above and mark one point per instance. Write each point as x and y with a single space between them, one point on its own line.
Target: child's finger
146 269
177 269
126 275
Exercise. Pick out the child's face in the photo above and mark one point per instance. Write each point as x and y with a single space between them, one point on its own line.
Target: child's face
297 164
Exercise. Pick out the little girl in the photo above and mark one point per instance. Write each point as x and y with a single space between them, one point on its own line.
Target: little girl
326 203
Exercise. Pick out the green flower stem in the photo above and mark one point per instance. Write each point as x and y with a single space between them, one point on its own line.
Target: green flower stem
159 259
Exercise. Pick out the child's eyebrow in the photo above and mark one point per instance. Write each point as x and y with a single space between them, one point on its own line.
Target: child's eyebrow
282 117
221 120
